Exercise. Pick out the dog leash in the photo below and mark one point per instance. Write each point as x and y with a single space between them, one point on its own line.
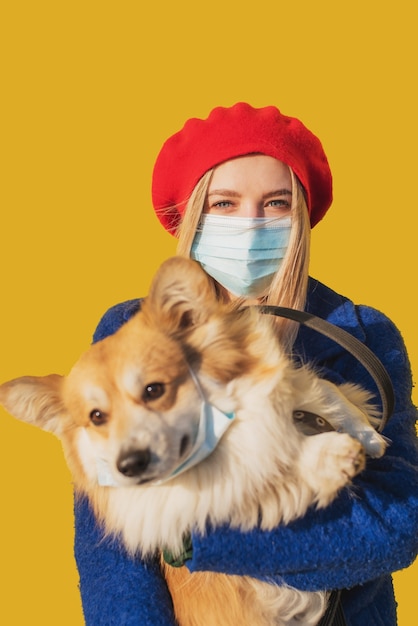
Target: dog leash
334 615
355 347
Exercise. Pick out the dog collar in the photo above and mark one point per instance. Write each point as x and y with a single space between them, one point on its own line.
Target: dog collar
185 555
311 423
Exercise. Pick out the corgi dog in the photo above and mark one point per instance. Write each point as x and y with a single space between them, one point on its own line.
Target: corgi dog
184 417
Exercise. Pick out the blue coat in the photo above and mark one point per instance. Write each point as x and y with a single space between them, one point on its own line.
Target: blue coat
354 544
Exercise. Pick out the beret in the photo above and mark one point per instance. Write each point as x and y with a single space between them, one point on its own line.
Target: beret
230 132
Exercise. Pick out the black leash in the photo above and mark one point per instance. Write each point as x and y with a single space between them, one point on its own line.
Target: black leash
334 615
355 347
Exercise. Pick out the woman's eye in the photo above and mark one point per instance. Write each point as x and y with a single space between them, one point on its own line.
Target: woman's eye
97 417
279 203
222 204
153 391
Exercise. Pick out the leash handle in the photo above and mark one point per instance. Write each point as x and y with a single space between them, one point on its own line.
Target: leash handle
355 347
334 615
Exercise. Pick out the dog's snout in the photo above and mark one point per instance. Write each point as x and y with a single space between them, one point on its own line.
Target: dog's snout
134 462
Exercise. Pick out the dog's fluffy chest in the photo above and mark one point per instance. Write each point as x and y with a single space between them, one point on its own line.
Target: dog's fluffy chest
235 485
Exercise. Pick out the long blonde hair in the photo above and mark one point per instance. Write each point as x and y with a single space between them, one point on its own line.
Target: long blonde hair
289 285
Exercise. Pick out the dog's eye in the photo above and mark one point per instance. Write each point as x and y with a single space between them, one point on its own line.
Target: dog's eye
153 391
97 417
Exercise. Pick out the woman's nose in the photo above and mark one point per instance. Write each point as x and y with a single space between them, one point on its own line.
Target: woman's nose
252 209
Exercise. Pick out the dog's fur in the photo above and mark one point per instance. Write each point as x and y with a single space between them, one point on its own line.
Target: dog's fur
132 393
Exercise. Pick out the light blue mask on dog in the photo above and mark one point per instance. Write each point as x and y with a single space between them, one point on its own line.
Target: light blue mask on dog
241 253
213 423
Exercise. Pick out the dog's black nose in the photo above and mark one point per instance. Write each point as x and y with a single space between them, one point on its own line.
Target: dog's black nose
133 463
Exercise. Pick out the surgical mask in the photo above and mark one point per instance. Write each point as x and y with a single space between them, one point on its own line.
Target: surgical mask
241 253
213 423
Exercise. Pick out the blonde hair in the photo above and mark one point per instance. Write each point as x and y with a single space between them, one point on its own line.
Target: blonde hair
289 285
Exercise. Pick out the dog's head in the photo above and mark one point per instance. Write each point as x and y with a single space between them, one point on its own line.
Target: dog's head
131 401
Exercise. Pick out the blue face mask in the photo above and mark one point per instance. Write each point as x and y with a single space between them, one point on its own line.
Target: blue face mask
241 253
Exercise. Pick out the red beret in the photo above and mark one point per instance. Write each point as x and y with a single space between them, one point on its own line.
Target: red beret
231 132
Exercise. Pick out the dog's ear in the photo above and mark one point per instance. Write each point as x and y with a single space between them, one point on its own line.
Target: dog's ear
35 400
181 295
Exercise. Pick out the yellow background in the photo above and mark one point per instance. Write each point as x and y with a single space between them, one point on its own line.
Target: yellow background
89 92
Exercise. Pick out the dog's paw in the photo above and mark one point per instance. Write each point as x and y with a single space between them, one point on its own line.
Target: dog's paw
332 460
349 459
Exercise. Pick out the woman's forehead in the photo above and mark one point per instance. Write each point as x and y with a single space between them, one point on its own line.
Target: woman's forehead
251 170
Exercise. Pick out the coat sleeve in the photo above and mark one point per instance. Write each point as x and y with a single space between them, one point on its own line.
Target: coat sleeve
370 530
115 588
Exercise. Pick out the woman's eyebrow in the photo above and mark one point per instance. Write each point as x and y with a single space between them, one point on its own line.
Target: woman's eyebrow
278 192
236 194
224 192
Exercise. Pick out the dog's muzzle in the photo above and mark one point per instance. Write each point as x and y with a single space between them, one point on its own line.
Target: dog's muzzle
133 464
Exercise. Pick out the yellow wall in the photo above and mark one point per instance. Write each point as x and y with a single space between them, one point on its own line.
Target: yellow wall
89 92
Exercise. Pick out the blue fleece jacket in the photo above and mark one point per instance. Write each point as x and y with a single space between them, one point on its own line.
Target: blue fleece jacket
370 531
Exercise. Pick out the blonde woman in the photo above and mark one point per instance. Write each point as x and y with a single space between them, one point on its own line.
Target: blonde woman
241 190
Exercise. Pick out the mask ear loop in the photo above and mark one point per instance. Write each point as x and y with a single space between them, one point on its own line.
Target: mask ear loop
196 382
201 430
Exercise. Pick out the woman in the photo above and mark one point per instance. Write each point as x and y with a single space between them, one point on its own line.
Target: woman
241 190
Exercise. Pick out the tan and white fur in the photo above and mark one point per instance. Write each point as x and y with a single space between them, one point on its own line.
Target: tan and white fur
131 396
